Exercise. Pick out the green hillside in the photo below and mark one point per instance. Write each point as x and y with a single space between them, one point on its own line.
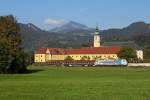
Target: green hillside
33 37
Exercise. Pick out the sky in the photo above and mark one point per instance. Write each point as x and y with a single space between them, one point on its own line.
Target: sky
47 14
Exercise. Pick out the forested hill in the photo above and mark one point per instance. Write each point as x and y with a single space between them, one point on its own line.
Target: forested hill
78 35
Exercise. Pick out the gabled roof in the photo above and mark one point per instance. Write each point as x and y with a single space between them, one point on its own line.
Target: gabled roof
41 51
57 51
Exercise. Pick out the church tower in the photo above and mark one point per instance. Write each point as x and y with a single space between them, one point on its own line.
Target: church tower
97 38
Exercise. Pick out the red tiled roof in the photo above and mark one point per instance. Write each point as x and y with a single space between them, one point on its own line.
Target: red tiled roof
98 50
90 50
57 51
41 51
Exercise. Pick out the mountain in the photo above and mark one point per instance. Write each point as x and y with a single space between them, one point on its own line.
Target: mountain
70 27
29 27
74 35
34 37
127 33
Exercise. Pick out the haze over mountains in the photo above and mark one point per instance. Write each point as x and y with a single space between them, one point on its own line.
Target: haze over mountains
74 35
71 27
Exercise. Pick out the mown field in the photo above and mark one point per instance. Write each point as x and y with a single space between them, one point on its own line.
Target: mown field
77 83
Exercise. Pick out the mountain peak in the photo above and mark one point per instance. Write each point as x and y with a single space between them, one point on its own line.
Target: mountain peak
76 25
29 27
32 26
69 27
138 24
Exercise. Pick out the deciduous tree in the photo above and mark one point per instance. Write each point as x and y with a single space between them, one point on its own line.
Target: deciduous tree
11 54
127 53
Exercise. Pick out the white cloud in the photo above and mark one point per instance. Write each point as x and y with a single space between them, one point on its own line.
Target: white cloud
53 22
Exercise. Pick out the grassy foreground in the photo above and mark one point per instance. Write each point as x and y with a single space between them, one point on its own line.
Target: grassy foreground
47 83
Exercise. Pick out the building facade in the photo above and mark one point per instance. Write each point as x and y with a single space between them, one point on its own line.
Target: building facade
140 54
88 53
52 54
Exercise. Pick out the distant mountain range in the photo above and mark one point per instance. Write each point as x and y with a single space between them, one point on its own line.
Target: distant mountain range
74 35
71 27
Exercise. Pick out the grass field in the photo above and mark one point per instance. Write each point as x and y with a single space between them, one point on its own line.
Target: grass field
105 83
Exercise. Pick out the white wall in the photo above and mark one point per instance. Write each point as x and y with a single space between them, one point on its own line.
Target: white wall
139 54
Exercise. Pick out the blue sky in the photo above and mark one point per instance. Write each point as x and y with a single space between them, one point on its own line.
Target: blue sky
50 13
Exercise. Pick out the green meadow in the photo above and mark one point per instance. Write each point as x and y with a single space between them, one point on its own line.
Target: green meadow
77 83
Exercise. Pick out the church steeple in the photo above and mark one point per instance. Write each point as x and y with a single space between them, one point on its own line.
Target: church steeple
97 38
97 29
